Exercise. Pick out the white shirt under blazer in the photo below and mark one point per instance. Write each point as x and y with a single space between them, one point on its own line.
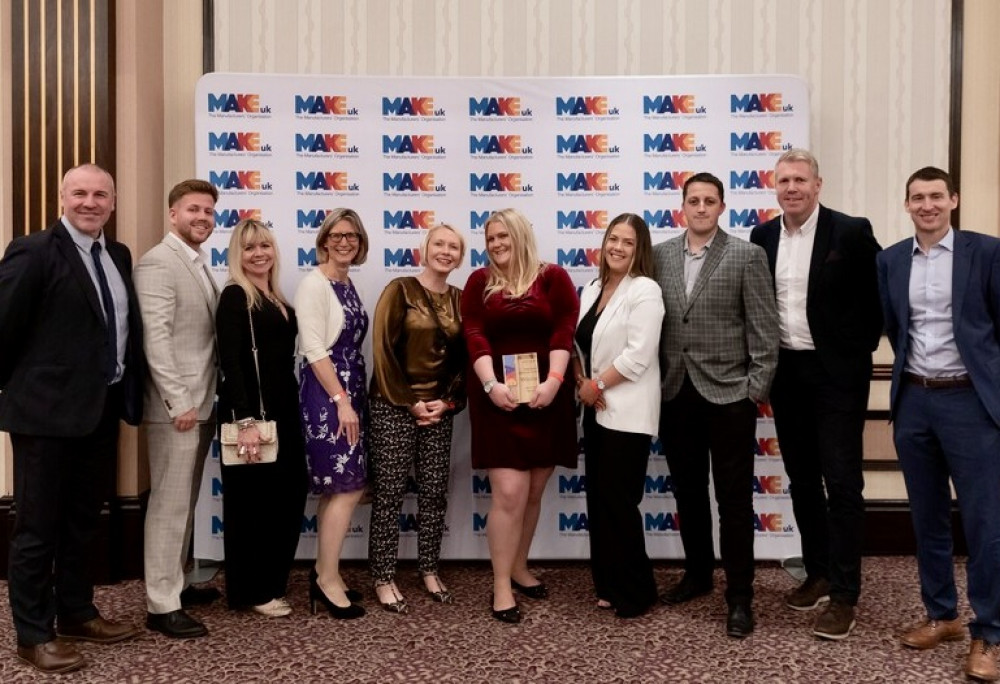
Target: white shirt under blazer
627 336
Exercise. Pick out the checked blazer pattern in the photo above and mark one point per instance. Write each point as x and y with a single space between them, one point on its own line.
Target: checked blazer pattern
725 335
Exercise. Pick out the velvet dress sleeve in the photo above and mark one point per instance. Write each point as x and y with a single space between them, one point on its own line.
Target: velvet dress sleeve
565 307
473 316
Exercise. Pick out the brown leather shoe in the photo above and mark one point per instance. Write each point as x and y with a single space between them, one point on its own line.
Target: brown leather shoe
51 657
98 630
835 622
933 632
808 595
982 661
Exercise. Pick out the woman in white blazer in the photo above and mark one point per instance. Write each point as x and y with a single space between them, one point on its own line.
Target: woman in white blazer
618 381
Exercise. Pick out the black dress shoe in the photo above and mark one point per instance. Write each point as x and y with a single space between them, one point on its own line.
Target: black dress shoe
685 590
509 615
176 624
739 624
198 596
535 591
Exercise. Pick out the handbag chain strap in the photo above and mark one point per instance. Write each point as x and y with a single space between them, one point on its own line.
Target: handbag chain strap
256 365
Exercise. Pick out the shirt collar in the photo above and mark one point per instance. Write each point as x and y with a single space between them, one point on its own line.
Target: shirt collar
704 250
81 239
808 226
193 254
947 242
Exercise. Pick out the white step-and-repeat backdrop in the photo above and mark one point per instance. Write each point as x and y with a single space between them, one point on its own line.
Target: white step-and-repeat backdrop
570 153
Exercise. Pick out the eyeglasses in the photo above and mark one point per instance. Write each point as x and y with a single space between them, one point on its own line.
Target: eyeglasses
352 238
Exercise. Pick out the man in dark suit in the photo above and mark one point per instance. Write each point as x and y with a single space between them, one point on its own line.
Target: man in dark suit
941 296
71 367
718 351
823 263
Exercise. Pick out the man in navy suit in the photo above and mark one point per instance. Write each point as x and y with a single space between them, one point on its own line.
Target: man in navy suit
940 292
71 367
823 264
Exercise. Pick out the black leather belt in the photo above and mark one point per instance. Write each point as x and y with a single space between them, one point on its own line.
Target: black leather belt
938 383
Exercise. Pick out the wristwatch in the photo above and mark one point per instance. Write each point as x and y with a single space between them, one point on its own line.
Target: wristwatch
600 384
489 385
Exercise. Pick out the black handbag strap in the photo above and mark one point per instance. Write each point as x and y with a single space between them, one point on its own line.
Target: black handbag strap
256 365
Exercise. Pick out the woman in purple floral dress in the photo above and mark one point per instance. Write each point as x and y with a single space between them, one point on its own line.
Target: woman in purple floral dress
332 399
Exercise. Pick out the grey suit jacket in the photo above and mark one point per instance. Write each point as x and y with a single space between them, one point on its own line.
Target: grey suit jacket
178 315
725 335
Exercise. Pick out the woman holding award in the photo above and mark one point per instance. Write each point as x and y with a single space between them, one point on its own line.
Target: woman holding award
417 386
618 380
526 311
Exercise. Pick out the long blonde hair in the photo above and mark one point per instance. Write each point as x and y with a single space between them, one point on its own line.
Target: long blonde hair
524 262
247 232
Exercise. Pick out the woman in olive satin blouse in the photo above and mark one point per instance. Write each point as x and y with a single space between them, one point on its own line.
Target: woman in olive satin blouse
417 386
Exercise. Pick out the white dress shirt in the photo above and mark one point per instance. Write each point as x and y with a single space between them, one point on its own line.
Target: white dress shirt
791 282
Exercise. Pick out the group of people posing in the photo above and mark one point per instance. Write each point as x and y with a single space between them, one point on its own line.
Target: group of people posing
683 340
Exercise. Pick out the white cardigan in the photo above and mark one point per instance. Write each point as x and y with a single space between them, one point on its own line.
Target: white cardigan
320 316
627 336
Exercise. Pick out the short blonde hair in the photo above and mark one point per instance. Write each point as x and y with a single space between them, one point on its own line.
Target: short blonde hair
247 232
332 219
442 226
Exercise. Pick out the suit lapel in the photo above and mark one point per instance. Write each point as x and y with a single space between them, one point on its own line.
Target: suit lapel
821 248
195 271
961 271
901 290
769 241
73 257
712 260
675 269
612 307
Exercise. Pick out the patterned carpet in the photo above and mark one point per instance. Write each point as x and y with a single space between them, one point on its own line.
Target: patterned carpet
562 639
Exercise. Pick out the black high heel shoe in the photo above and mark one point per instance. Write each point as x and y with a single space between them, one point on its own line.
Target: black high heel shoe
397 605
511 616
316 594
353 595
442 595
535 591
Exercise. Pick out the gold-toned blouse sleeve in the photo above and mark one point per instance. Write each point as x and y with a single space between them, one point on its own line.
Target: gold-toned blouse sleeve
388 375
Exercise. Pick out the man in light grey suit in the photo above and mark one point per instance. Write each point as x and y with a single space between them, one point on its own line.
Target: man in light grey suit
718 354
178 297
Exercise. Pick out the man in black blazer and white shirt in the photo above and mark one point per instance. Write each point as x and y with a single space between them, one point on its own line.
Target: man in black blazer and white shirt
826 287
71 367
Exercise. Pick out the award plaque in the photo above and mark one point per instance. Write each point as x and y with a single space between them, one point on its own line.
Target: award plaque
520 374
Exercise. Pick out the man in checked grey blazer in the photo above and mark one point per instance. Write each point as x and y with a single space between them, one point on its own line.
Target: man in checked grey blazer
178 298
718 352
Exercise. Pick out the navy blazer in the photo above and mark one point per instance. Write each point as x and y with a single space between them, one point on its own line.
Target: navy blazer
975 305
52 338
842 303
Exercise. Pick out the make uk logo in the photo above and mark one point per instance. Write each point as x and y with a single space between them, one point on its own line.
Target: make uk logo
756 143
751 217
673 144
573 220
664 221
239 105
507 184
586 183
758 104
666 182
499 108
673 106
586 146
586 108
407 221
770 486
325 146
412 184
226 219
237 144
240 182
771 524
401 260
578 258
411 108
324 107
325 183
508 146
751 181
310 220
412 146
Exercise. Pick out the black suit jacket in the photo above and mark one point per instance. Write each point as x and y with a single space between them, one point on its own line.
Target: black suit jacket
52 337
842 305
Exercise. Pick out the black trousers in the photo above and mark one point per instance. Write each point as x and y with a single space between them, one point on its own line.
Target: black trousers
616 481
697 434
820 422
60 486
262 505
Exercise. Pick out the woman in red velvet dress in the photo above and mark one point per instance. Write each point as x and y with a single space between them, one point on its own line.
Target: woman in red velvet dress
518 305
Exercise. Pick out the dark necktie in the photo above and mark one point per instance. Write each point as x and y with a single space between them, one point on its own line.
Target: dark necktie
111 360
